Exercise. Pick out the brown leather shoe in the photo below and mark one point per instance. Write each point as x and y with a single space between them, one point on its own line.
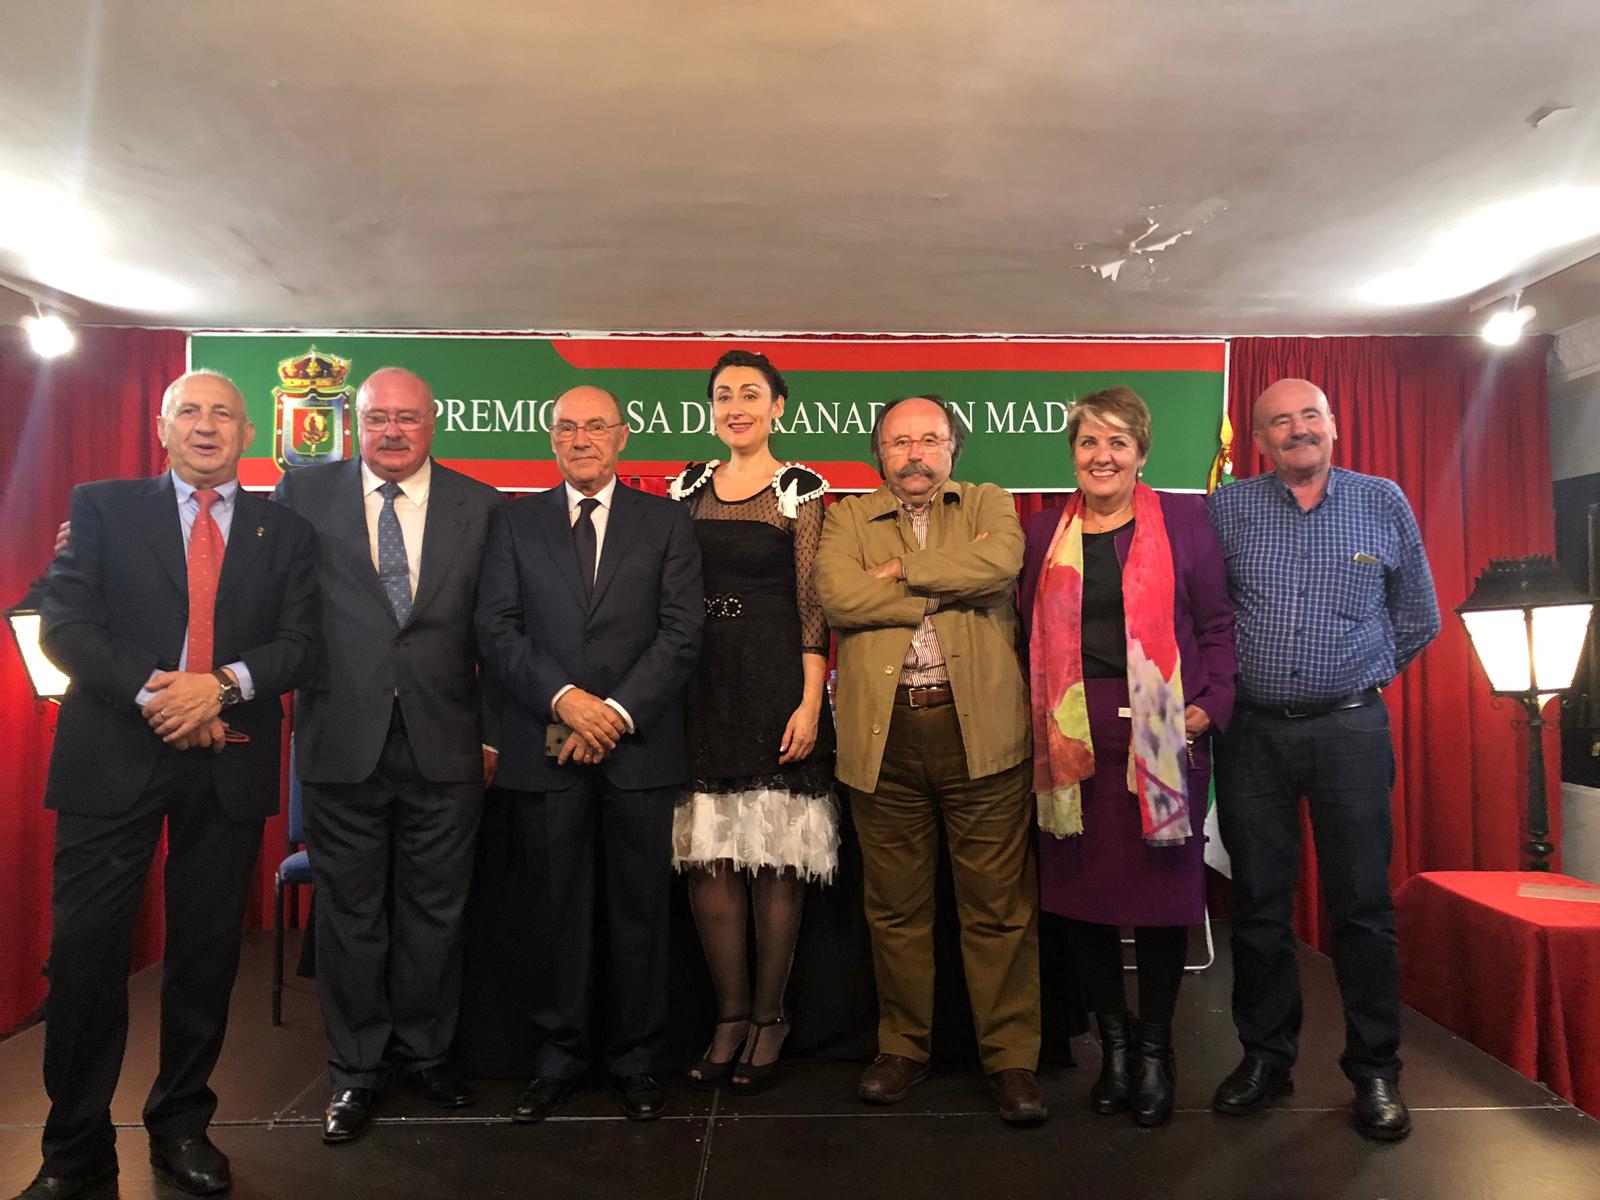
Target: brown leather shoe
1019 1095
890 1078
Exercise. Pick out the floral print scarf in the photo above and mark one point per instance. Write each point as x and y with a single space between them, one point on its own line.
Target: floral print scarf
1063 751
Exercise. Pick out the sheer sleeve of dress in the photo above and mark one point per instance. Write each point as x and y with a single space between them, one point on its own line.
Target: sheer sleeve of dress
807 536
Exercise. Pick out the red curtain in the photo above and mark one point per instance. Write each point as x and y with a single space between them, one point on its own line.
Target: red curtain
89 415
1464 430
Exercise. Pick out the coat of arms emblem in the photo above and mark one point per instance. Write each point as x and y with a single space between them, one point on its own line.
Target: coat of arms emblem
312 411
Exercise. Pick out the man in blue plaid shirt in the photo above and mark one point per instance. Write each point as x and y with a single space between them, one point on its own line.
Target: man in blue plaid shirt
1333 597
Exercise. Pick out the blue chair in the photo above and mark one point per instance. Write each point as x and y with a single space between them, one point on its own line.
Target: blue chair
292 872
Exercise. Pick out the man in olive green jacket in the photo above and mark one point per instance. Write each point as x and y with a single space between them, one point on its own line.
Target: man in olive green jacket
919 580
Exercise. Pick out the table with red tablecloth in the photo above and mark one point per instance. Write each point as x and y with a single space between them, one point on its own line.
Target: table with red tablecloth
1517 976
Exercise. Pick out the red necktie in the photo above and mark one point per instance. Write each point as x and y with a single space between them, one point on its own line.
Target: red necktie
205 565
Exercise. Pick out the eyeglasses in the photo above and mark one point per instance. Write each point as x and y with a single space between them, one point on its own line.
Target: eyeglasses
565 431
931 444
379 420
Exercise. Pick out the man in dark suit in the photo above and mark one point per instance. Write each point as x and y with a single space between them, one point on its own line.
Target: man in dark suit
589 612
389 748
182 609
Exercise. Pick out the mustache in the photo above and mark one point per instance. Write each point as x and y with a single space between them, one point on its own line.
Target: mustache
1302 439
915 468
393 443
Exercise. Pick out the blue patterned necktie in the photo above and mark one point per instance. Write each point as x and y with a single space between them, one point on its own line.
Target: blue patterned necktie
393 572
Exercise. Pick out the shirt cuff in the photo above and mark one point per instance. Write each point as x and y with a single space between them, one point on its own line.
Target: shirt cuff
247 685
144 694
556 699
626 719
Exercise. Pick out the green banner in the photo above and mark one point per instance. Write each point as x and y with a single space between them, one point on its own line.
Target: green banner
495 394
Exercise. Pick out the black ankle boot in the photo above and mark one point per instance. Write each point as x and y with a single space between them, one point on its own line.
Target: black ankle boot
1155 1075
1110 1092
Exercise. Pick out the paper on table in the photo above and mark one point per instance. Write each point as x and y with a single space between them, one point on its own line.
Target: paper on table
1559 891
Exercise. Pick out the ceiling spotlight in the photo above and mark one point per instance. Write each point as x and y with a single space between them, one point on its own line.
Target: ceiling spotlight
49 335
1504 327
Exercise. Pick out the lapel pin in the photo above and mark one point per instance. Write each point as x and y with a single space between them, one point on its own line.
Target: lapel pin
261 531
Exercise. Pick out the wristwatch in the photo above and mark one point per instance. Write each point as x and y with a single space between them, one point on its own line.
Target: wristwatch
229 693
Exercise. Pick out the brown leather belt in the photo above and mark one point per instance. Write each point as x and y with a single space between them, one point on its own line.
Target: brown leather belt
932 695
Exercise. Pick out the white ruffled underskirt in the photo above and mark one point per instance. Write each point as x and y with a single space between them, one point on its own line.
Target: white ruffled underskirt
761 827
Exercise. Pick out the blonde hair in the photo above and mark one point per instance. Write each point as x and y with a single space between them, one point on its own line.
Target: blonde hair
1118 407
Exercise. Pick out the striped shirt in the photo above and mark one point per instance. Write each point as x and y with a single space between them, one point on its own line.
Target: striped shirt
1328 601
924 662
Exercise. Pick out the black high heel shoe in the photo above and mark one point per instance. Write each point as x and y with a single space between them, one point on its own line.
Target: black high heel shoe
708 1072
748 1078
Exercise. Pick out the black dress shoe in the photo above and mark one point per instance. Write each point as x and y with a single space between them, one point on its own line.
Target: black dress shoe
1379 1112
349 1115
191 1164
1255 1083
641 1097
101 1185
440 1087
541 1098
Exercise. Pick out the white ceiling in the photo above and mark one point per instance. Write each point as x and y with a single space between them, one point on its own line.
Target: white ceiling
901 165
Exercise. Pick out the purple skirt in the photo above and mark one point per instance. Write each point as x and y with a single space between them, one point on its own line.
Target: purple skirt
1107 874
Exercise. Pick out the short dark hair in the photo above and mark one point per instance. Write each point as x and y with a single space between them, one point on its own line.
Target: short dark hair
749 358
958 432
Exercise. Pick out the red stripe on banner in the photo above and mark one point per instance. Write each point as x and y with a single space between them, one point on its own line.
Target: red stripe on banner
258 473
521 475
642 354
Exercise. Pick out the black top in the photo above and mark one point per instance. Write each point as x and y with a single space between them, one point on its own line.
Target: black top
1105 638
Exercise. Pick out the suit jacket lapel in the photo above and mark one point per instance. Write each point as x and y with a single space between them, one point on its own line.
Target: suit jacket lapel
557 527
441 535
621 524
247 533
164 530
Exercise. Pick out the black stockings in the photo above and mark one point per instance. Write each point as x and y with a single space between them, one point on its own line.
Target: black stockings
723 902
1159 952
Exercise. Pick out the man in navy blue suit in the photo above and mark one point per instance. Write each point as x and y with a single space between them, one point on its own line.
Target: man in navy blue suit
590 608
182 608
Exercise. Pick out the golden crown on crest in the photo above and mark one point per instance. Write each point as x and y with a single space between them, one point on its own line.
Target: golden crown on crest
313 371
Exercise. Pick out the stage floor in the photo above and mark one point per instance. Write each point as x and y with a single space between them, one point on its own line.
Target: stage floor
1481 1129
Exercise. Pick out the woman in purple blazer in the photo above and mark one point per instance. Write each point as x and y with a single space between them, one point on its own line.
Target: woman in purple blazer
1130 637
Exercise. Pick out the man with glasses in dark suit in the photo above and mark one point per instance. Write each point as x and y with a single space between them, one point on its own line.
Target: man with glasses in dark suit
389 745
590 609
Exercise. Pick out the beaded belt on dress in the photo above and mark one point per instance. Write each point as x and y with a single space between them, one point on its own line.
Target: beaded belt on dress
725 606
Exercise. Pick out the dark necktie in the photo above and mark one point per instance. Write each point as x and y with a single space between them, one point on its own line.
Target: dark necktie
393 571
205 567
584 537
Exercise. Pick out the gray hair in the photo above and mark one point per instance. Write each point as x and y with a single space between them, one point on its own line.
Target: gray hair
169 398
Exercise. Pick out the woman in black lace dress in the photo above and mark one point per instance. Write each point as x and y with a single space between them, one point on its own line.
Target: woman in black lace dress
758 819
